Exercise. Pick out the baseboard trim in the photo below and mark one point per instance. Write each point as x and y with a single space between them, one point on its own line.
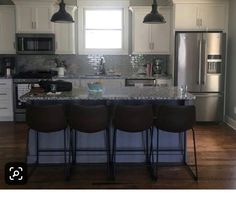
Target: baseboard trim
231 122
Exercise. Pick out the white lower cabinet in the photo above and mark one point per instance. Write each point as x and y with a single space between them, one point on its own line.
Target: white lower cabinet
6 100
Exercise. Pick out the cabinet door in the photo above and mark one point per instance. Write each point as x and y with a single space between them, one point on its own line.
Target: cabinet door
186 16
25 17
7 30
65 35
141 32
213 16
43 16
160 34
6 100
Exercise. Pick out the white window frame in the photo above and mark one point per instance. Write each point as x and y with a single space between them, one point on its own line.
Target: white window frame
98 5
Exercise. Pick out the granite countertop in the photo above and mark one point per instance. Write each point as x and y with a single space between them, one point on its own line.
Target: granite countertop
72 76
122 93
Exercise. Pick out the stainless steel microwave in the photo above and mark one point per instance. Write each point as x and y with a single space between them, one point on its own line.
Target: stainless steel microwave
35 43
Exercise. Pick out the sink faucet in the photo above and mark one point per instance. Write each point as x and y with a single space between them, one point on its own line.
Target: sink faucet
101 67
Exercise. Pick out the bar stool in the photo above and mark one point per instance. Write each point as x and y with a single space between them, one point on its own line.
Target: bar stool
90 119
131 119
47 119
176 119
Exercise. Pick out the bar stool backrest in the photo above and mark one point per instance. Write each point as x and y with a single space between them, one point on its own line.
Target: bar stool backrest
88 119
175 118
46 118
133 118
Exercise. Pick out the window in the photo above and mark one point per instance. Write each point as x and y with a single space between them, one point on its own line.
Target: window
103 28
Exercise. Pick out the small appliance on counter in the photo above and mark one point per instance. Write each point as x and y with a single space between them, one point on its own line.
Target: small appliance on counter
8 65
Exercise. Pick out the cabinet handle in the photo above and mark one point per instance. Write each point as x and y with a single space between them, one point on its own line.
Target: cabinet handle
200 22
3 108
3 94
3 84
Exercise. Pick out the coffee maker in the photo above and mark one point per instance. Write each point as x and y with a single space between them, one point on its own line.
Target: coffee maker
7 66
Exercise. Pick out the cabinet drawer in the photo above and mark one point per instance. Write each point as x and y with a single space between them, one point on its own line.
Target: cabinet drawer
4 96
5 108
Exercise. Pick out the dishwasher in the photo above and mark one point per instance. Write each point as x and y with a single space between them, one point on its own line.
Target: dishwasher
140 82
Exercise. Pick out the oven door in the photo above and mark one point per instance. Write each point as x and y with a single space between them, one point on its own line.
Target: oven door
19 106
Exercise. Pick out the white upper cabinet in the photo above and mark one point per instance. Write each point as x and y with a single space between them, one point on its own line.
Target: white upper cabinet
201 16
65 34
7 29
34 16
150 39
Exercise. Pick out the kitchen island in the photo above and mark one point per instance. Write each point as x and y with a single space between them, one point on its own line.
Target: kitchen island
109 96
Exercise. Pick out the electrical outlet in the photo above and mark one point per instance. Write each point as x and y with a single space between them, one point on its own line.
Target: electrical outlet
234 110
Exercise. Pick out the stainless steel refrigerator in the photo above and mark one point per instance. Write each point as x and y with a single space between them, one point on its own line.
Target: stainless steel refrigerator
199 64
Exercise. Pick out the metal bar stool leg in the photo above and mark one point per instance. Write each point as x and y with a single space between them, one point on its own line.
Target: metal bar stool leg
27 147
65 156
157 156
195 155
185 148
37 147
147 147
107 139
194 175
114 153
75 146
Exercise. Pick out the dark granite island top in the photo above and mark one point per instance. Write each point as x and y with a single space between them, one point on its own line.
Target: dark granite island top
114 94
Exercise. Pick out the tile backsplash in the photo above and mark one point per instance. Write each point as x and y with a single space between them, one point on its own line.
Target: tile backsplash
79 64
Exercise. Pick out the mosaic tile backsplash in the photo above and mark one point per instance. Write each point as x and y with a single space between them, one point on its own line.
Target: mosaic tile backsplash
79 64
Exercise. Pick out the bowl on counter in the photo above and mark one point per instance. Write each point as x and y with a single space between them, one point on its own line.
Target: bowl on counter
95 87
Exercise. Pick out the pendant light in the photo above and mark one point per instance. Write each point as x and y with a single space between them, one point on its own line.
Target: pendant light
154 17
62 16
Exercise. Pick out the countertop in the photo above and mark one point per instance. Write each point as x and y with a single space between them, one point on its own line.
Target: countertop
71 76
109 94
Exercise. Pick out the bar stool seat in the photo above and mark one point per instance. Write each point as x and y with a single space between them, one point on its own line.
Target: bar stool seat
47 119
131 119
176 119
89 119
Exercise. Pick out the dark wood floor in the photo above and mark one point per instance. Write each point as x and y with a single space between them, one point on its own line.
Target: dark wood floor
216 146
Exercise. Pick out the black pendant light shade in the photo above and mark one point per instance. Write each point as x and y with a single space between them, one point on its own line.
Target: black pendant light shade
154 17
62 16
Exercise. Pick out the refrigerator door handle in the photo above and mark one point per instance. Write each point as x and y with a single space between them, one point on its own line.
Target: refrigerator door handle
204 63
199 62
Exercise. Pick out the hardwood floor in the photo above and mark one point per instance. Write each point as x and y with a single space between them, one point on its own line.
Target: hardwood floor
216 151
